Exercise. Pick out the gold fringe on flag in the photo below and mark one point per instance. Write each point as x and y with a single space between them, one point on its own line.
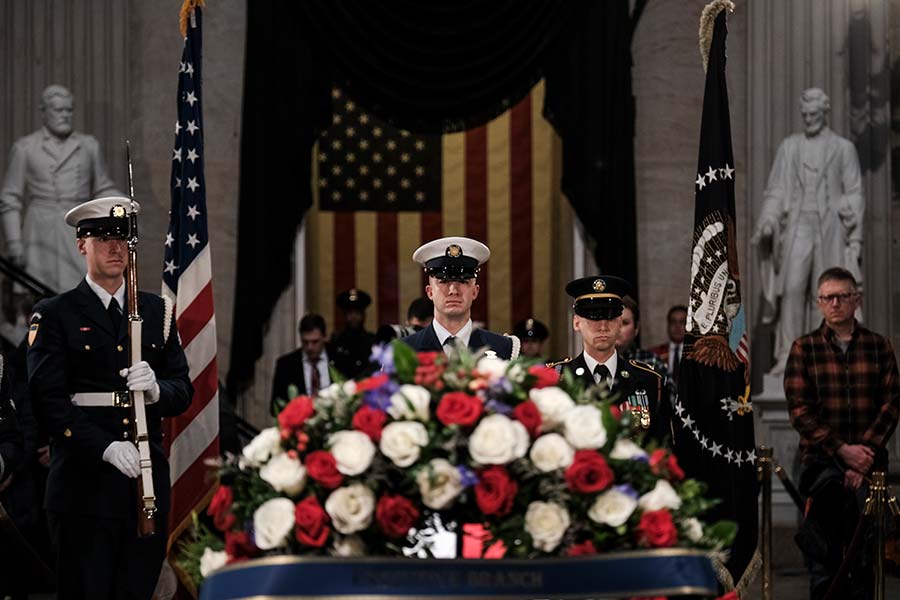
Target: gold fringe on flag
714 351
184 15
707 21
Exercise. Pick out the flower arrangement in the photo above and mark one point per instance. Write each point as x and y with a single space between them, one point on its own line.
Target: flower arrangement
547 467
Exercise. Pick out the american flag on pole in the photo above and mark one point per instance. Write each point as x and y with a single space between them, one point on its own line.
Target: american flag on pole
187 280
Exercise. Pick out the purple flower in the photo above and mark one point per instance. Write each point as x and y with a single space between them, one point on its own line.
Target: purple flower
467 476
380 397
383 354
627 490
501 408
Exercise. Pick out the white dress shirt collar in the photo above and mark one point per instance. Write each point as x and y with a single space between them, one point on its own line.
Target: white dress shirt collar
612 363
462 336
105 296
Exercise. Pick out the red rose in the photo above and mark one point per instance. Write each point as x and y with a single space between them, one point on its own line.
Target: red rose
546 376
615 411
239 546
430 376
588 472
663 463
221 501
322 467
495 491
528 415
296 413
396 515
459 408
732 595
427 358
370 421
312 522
657 530
372 383
585 548
220 508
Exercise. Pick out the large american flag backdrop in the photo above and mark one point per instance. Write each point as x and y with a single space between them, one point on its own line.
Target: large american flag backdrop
495 183
187 280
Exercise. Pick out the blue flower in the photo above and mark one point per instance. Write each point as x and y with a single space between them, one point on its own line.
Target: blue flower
627 490
467 476
383 354
501 408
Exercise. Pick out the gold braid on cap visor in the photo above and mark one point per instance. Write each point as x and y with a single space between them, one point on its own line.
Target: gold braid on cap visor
590 296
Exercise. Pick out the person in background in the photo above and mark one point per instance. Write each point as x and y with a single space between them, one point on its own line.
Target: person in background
306 368
670 352
843 397
418 316
532 333
627 340
352 347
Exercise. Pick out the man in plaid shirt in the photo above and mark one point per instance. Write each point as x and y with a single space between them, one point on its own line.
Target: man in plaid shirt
843 393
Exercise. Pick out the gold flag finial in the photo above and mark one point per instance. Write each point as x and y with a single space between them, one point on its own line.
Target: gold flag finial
185 14
707 22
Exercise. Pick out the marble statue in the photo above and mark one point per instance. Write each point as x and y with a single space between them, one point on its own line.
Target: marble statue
811 219
50 171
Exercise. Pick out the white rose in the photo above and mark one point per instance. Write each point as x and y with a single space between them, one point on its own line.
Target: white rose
351 508
439 484
266 444
546 522
612 508
411 403
498 440
625 449
492 368
583 427
402 441
553 404
692 529
516 373
285 474
348 546
661 496
352 450
550 452
349 387
212 560
272 522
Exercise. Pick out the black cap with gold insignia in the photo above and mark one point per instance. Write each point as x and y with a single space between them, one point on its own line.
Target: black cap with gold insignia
452 258
103 217
353 298
598 298
530 329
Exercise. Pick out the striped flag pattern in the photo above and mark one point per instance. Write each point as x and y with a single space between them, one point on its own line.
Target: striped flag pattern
187 281
497 185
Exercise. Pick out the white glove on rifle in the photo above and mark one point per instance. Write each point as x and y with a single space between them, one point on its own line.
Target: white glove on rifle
141 378
125 457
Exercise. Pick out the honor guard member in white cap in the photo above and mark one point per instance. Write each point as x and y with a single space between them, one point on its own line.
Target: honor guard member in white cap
598 313
77 370
452 265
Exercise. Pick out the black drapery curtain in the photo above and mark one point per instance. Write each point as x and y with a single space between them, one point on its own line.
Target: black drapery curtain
430 67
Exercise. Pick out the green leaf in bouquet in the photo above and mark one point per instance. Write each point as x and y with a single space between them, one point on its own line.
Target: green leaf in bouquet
405 361
192 546
721 532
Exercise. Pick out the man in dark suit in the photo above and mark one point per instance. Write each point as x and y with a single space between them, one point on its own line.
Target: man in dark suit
598 313
79 376
306 367
670 352
452 265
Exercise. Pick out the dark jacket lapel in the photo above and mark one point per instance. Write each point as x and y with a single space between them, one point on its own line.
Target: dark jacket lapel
93 307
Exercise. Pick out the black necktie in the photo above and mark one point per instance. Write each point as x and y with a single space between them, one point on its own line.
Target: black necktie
601 374
115 315
315 378
676 359
449 344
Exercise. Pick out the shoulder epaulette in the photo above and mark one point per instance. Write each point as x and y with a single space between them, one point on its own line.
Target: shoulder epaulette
551 365
638 364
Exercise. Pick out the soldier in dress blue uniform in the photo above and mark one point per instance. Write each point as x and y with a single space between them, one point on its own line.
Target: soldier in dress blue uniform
452 265
78 370
352 347
598 312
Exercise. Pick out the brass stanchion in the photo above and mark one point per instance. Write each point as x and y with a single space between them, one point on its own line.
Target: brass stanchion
878 498
764 473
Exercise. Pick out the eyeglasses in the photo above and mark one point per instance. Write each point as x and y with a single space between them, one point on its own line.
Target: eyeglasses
841 298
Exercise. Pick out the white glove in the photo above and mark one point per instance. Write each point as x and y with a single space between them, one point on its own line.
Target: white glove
141 378
125 457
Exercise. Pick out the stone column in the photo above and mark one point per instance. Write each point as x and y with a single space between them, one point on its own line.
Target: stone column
842 47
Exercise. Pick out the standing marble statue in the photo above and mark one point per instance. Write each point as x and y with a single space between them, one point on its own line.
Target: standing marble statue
811 219
50 172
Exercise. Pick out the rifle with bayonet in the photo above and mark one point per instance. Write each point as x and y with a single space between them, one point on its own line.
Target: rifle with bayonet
146 499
